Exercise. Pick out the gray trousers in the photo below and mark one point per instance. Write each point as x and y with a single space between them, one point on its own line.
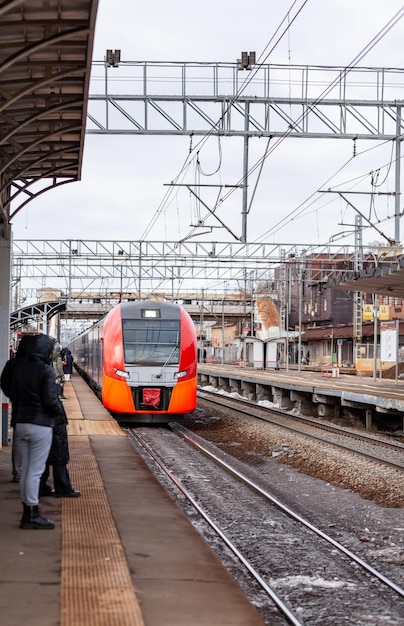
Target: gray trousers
16 457
34 442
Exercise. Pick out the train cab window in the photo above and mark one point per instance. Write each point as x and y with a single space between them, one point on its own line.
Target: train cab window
151 341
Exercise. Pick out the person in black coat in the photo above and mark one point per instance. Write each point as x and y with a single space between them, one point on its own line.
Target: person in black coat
30 384
58 458
6 377
67 360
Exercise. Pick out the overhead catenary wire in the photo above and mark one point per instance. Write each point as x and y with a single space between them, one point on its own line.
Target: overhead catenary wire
302 209
262 58
197 147
270 149
167 197
326 91
376 39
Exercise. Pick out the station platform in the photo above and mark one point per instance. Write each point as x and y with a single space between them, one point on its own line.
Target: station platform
312 392
121 554
312 378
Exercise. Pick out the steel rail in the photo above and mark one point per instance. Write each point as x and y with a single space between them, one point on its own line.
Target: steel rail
330 428
292 619
187 435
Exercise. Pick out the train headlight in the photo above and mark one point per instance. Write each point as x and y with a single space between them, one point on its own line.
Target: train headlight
180 374
122 373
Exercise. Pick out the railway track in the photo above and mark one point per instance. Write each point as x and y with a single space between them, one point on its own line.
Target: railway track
301 575
373 447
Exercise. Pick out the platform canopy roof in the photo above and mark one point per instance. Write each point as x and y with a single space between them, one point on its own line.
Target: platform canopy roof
34 312
385 280
45 63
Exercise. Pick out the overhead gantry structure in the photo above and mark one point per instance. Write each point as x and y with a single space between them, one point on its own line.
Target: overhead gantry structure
268 101
45 63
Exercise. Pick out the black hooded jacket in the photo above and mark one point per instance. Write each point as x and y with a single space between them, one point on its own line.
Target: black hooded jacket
29 381
68 362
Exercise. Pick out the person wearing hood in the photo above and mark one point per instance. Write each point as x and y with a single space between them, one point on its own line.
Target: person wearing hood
31 387
67 364
6 377
57 363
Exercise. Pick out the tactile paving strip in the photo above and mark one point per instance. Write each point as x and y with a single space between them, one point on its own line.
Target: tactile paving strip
96 588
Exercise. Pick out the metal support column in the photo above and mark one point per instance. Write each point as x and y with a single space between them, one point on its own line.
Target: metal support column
397 176
5 264
282 292
299 355
245 174
358 296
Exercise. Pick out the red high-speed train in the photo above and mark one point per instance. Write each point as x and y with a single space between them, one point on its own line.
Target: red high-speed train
141 359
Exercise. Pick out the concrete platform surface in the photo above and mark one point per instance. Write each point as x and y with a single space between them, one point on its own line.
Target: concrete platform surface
121 554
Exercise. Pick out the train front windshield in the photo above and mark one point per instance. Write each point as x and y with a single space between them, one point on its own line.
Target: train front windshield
151 341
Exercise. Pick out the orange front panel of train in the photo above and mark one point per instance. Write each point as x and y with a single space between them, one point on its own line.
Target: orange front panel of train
188 355
117 396
183 399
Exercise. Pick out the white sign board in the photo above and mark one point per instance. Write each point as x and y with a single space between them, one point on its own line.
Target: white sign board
388 341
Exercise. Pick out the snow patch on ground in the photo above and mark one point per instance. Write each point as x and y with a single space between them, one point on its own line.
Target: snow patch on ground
310 582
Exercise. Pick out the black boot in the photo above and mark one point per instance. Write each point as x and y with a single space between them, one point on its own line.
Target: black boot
32 519
39 522
26 517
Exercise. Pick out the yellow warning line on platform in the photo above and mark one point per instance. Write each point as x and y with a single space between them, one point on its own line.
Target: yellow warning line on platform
79 426
84 427
96 587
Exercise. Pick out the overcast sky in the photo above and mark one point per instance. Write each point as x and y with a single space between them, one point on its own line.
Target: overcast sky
123 178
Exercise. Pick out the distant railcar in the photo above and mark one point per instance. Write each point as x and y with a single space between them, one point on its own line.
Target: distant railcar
141 359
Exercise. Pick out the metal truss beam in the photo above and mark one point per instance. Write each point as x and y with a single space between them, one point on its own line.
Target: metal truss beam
147 266
144 98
